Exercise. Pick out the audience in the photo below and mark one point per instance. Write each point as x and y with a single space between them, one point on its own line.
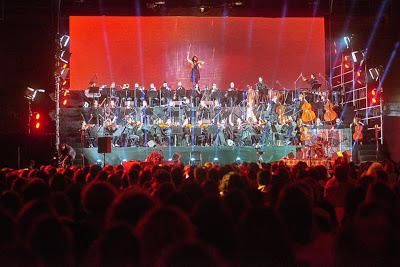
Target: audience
154 214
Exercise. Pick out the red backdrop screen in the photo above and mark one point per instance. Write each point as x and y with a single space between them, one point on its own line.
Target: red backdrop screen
153 49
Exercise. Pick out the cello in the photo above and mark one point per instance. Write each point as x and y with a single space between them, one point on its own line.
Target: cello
330 115
358 136
308 114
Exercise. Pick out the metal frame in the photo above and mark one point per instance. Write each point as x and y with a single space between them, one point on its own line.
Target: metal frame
357 95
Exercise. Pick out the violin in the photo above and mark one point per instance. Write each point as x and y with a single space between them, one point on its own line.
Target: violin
330 114
308 114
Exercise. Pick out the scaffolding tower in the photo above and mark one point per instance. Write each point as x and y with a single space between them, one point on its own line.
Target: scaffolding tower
360 89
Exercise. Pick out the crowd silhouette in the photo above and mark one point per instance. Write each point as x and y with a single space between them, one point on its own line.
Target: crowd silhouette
170 214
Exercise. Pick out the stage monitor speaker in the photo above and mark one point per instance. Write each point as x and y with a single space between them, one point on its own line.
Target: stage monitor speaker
104 144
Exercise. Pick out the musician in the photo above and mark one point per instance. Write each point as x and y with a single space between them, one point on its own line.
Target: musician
312 80
219 139
315 85
251 102
196 66
180 92
262 89
357 127
196 95
231 95
66 155
319 106
205 94
166 93
215 93
113 90
153 95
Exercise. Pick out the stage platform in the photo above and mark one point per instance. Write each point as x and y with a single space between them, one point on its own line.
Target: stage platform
220 154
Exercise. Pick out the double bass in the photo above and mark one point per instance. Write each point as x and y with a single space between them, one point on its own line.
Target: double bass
308 114
330 115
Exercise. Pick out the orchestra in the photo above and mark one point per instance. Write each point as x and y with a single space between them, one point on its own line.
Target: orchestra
257 115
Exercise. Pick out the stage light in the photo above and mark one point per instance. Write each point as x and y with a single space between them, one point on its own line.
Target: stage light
238 159
65 102
64 41
64 82
374 100
374 73
64 73
37 116
37 125
346 58
31 93
358 56
347 66
373 92
237 3
359 73
347 41
216 159
192 159
65 56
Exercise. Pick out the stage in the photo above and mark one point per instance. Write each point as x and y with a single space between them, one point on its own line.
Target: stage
197 154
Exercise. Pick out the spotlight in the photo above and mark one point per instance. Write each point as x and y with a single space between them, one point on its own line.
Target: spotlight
358 56
374 73
37 125
347 41
64 41
238 159
215 159
37 116
237 3
64 72
31 93
202 9
65 102
64 56
192 159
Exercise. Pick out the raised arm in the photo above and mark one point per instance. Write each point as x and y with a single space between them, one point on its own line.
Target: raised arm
188 59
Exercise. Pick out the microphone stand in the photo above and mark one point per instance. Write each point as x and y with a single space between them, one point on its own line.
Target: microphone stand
295 84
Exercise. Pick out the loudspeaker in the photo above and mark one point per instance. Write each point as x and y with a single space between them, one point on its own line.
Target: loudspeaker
104 144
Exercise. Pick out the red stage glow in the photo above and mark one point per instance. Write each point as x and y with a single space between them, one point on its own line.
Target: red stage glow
153 49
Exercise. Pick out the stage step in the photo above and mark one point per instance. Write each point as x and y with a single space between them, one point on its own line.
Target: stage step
368 153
